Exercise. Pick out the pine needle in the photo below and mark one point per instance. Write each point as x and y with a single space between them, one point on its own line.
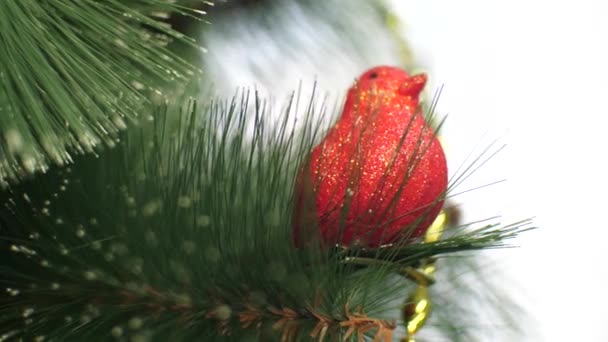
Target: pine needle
75 73
186 235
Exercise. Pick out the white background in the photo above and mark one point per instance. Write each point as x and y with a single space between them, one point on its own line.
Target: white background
534 73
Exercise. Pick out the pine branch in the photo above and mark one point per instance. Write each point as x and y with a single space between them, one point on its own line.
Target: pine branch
185 233
73 74
490 236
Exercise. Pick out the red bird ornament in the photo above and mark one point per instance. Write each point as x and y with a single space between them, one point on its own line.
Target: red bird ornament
380 174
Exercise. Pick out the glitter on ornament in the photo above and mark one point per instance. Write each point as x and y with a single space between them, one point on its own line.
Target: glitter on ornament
380 174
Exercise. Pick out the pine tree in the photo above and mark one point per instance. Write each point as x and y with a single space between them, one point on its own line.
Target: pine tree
135 208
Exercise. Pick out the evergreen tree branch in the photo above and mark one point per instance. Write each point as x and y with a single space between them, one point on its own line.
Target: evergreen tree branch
185 233
73 74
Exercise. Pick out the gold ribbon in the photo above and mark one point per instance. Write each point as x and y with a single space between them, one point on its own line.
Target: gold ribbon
418 305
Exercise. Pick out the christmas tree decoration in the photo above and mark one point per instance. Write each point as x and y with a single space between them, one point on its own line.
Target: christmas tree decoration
380 174
417 307
189 239
182 228
73 74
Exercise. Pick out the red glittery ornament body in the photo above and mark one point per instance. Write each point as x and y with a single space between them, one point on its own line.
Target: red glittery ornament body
380 174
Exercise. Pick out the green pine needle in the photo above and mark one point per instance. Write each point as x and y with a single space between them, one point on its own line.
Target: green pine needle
186 234
74 73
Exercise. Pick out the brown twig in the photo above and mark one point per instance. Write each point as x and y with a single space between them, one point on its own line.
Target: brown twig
361 323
